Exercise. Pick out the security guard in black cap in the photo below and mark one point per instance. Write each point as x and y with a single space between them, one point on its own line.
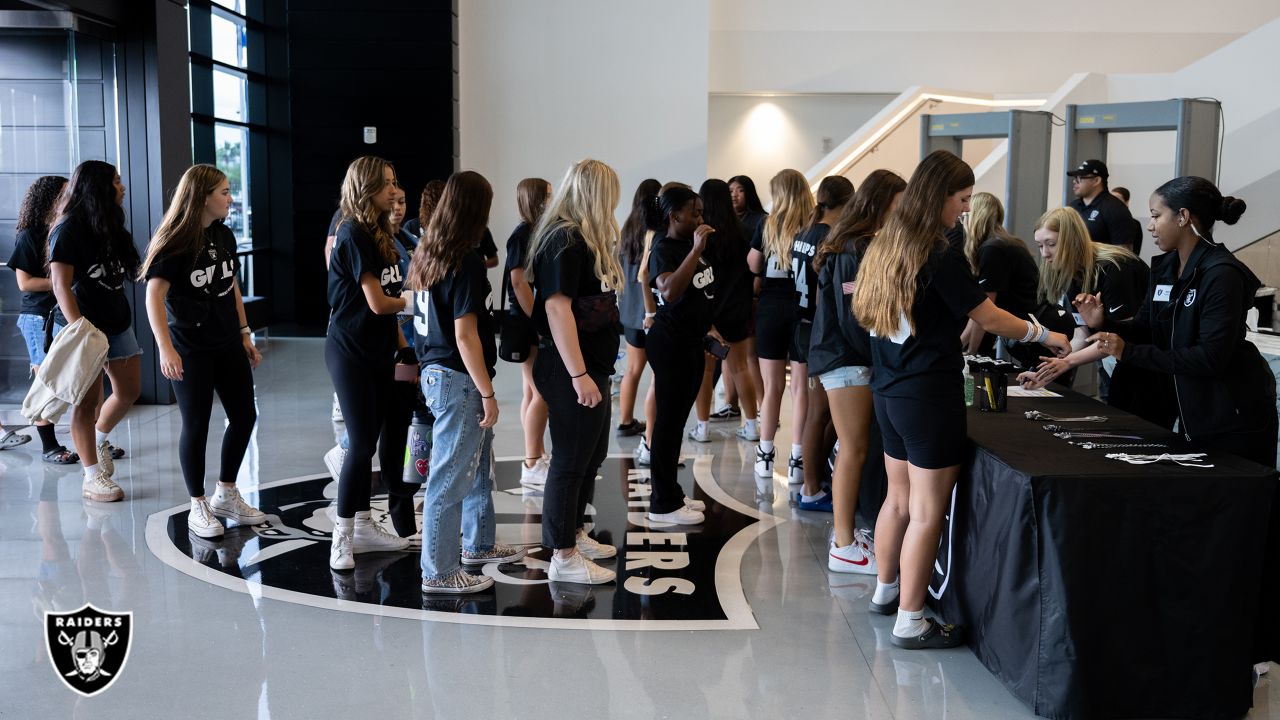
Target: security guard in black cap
1107 218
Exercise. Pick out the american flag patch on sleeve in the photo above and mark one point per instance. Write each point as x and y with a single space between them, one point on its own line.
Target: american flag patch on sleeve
849 287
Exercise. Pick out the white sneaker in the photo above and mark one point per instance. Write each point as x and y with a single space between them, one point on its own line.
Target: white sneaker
200 520
333 461
228 503
101 488
750 435
369 536
336 413
534 478
681 516
795 470
578 569
695 505
105 461
643 457
592 550
851 559
460 582
863 537
699 433
764 463
341 554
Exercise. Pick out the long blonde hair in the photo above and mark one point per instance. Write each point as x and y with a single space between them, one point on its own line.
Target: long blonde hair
986 221
888 276
365 179
588 195
793 206
181 231
1076 257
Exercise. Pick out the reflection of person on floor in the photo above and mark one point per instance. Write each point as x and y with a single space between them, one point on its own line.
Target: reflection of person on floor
57 587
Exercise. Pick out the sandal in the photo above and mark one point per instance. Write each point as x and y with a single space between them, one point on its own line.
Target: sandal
61 456
937 636
13 439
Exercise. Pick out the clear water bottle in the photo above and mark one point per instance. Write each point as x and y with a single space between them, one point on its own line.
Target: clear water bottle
417 451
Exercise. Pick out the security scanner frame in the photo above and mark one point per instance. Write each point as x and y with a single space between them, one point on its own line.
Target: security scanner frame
1196 122
1026 181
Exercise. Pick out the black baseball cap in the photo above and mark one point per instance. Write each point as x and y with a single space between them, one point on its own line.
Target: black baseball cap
1090 167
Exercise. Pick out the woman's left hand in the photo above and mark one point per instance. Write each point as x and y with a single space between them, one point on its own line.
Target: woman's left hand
250 350
1109 343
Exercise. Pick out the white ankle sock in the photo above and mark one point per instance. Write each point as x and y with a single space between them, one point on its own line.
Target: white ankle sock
910 623
811 498
90 471
885 592
702 427
797 450
100 436
766 446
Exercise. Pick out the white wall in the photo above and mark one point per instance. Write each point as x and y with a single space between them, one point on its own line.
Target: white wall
758 136
543 84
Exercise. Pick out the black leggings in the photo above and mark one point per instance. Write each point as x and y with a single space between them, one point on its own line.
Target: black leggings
579 443
377 414
225 371
677 376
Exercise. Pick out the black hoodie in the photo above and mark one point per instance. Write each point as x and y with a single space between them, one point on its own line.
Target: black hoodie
1193 328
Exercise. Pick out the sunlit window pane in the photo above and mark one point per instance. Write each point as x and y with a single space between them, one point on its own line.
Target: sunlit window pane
229 41
230 92
236 6
231 144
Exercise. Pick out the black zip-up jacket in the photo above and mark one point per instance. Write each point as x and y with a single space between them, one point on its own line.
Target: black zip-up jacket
837 339
1193 328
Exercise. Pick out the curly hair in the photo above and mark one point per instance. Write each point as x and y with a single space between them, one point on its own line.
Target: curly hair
38 208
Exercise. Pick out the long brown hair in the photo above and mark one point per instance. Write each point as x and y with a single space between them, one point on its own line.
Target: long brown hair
863 216
986 222
531 199
456 227
834 192
792 205
888 276
427 203
181 231
365 179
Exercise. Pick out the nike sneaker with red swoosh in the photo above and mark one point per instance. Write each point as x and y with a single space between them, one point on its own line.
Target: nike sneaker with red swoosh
853 558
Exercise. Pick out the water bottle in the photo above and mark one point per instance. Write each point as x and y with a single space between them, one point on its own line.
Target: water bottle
417 451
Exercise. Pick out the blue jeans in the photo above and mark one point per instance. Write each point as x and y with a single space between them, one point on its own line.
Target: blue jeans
459 489
32 329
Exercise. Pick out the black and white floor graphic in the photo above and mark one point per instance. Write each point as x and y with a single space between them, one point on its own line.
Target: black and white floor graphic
669 578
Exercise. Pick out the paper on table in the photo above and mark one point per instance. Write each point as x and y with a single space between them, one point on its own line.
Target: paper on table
1016 391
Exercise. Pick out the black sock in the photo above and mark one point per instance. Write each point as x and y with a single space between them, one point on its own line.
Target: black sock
47 438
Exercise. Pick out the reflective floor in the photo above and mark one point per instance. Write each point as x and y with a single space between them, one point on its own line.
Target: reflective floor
250 627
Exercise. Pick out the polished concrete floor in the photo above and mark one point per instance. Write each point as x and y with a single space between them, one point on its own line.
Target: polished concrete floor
206 647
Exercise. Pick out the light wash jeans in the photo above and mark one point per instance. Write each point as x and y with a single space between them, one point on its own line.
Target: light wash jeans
459 489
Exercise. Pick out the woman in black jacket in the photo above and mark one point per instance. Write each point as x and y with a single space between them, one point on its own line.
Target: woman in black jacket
1192 325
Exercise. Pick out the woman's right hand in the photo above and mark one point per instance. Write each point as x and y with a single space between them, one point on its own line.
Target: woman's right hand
170 363
1058 343
1090 309
588 392
490 405
700 237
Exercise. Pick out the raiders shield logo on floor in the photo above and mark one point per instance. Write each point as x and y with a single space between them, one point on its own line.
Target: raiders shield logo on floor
88 648
669 577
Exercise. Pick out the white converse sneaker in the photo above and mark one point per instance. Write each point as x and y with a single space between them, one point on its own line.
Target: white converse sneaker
591 549
460 582
534 478
764 463
200 520
699 433
228 503
643 457
336 413
497 554
578 569
695 505
101 488
105 461
681 516
341 555
853 558
369 536
333 461
795 470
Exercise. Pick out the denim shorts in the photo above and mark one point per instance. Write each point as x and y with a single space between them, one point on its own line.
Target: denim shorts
32 329
120 346
847 376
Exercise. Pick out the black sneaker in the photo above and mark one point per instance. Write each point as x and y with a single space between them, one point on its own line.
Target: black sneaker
631 429
728 412
936 637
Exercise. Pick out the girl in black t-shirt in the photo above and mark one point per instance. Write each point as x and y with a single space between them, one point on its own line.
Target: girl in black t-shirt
685 284
457 353
776 319
1005 270
914 295
91 257
574 270
361 348
751 214
30 263
634 314
197 318
532 196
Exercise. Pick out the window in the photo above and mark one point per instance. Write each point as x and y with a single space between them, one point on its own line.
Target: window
229 39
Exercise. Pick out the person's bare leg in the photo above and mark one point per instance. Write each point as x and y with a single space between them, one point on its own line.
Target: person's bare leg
83 417
753 369
799 401
126 381
891 523
630 386
702 405
814 438
774 373
851 410
650 411
730 384
533 414
930 498
737 367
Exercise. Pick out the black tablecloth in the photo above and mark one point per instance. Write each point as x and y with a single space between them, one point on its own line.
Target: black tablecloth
1094 588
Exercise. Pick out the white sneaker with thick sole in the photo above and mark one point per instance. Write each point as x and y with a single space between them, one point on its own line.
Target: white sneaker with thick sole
228 503
341 554
534 478
460 582
853 558
592 550
105 461
752 435
795 470
681 516
699 433
369 536
101 488
695 505
200 520
764 463
578 569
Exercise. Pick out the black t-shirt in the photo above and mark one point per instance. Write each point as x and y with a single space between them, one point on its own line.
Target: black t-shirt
1109 221
776 276
688 318
928 364
462 292
752 223
97 280
333 221
1008 271
806 278
359 332
28 257
201 302
566 265
1122 289
517 254
955 237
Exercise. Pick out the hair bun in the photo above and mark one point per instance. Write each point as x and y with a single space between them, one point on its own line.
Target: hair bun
1231 210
